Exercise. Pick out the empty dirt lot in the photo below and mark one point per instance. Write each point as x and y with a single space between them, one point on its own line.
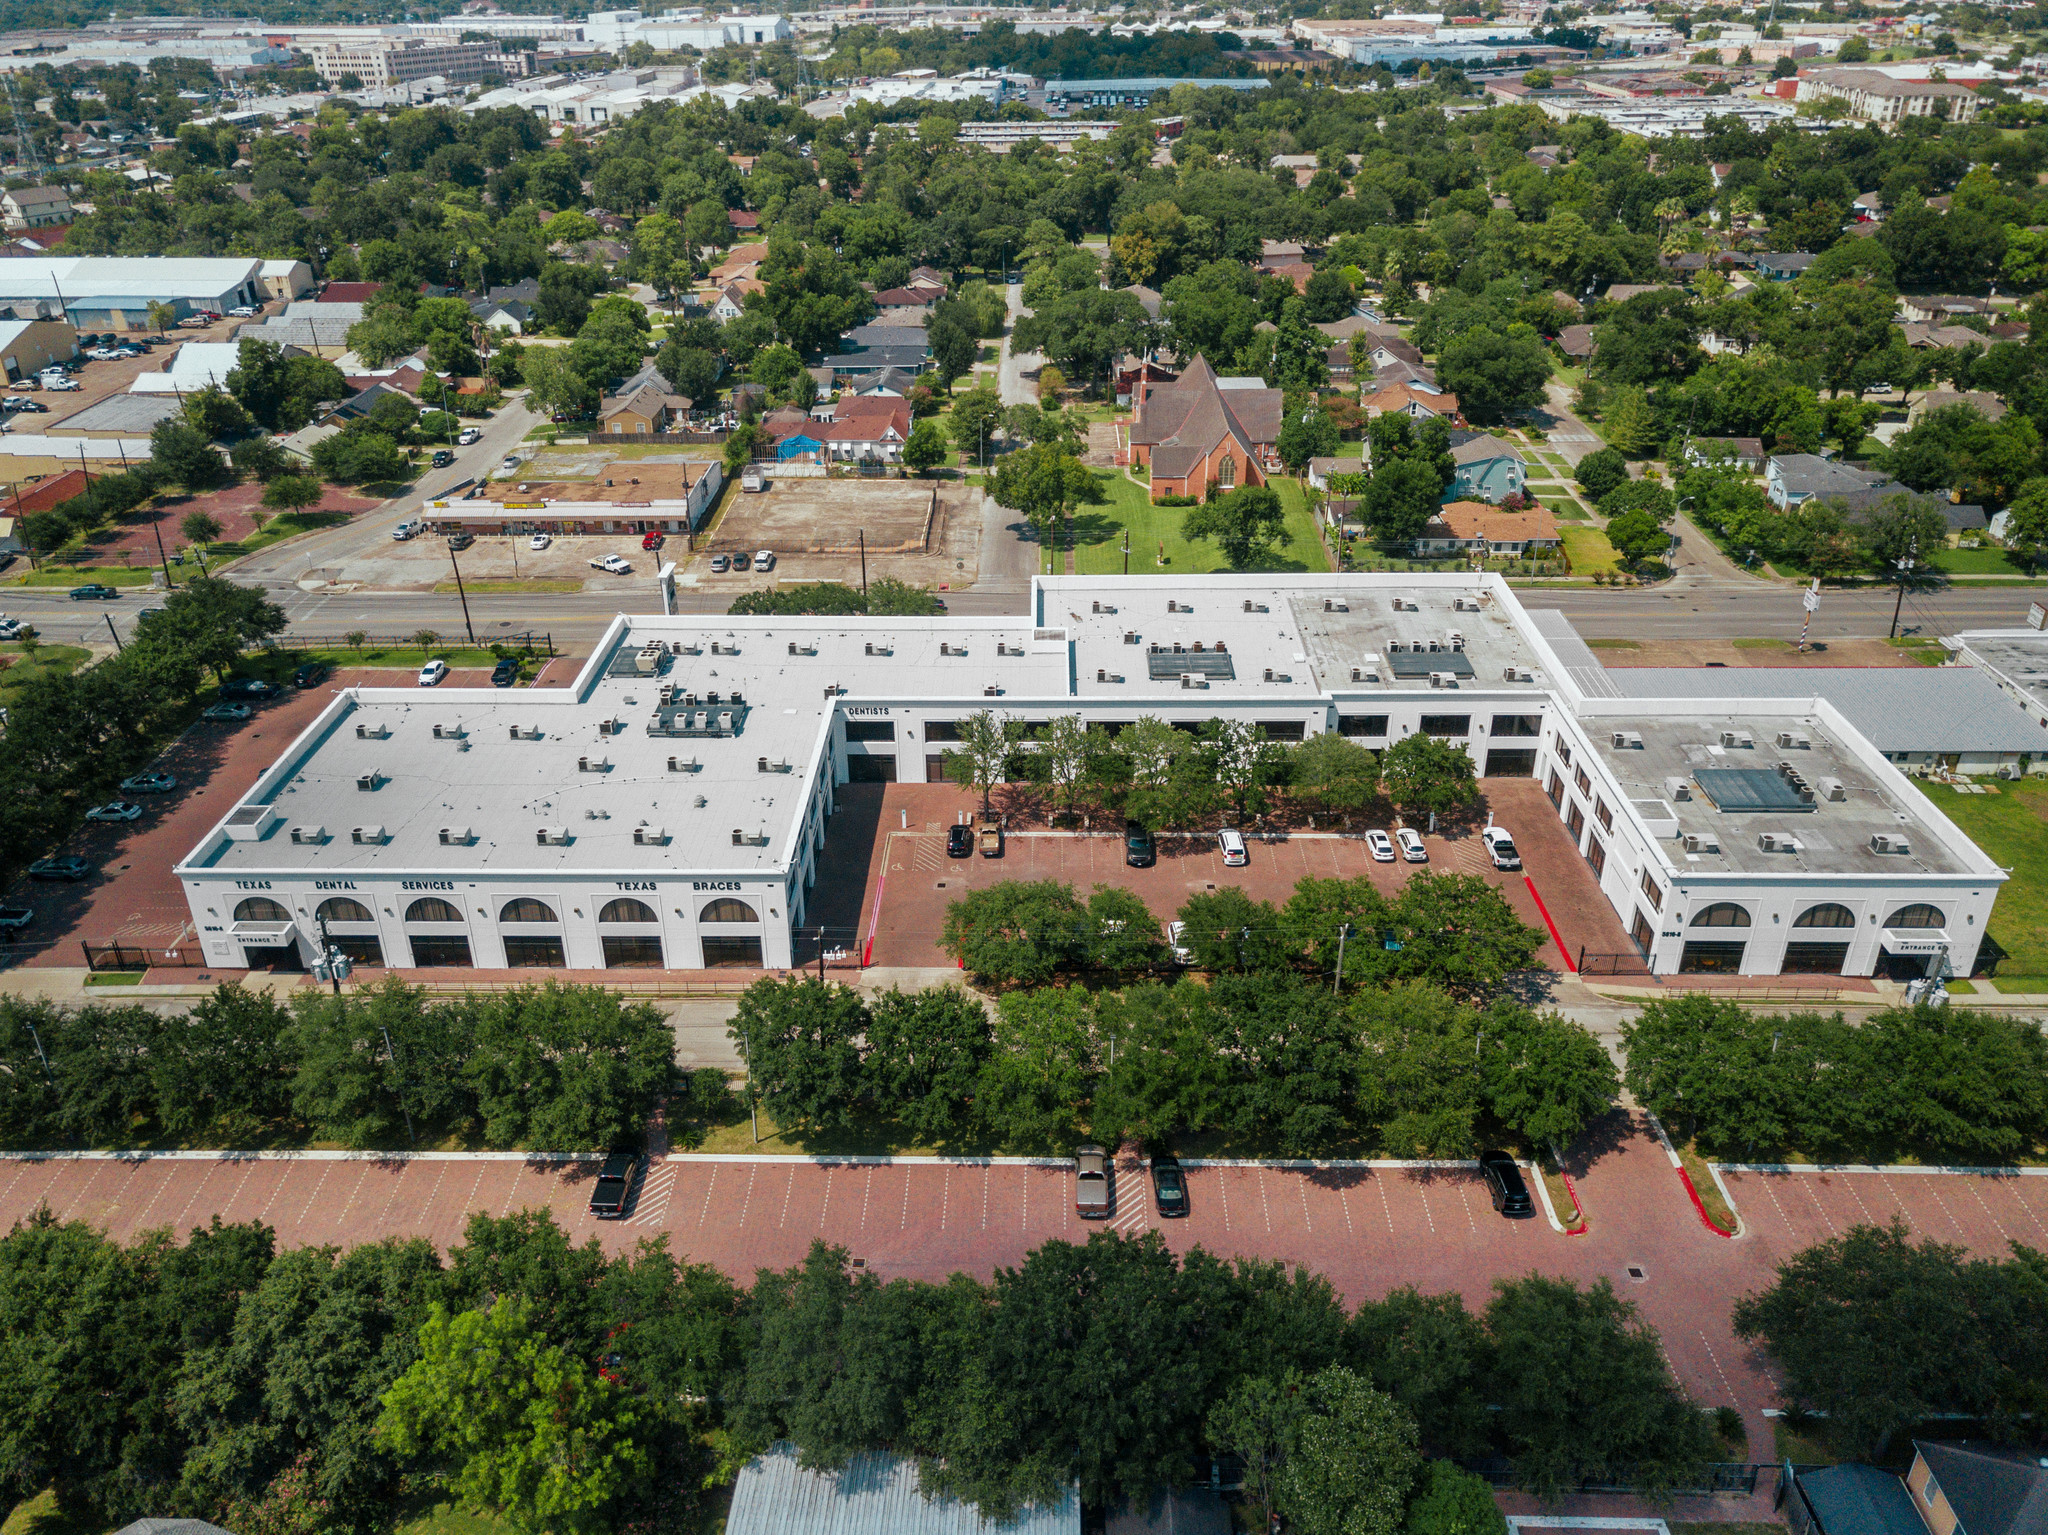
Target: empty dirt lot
927 532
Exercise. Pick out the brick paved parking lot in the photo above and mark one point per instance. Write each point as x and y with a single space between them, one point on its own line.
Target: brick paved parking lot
134 898
1368 1229
911 881
1984 1212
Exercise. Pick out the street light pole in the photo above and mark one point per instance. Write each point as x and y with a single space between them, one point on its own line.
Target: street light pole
1905 574
466 624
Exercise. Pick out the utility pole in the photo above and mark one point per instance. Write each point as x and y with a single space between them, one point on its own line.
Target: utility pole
1337 980
1905 574
113 631
753 1103
863 562
466 624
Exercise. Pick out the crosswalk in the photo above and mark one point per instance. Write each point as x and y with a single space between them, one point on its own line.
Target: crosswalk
651 1207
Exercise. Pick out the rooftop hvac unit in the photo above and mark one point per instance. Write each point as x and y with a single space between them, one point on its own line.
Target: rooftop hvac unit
1130 636
1193 680
1737 738
699 802
546 836
1330 605
1702 842
372 732
1003 648
1104 674
2010 770
1457 639
309 834
526 732
1889 842
883 649
449 732
1360 674
367 834
763 765
1677 788
1398 647
1776 842
457 836
992 691
650 836
945 647
648 657
1255 607
1833 789
593 764
1792 741
1464 604
612 727
1173 606
1515 674
684 765
833 690
1443 679
1628 740
370 782
802 650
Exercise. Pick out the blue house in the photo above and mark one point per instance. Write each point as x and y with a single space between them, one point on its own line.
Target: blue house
1487 468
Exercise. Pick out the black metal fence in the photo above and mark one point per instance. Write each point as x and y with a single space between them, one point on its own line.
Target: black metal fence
102 957
1630 963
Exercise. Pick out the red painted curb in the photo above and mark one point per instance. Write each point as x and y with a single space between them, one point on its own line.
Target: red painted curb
1555 936
1693 1194
1577 1209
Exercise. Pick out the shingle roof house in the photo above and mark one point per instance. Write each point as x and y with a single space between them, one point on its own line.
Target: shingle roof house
1201 428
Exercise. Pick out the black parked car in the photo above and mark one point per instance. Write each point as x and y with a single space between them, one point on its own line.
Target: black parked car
960 841
614 1187
1169 1188
505 673
311 674
1504 1182
1140 852
461 540
443 458
66 866
249 687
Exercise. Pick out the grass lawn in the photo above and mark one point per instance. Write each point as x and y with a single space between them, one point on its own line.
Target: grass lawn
1588 550
1925 651
409 657
39 1516
16 667
279 528
81 575
1099 533
1979 562
1614 644
2011 825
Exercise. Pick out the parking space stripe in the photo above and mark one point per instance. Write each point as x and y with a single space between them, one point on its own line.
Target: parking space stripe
84 1189
1714 1360
1385 1204
1819 1204
783 1220
1301 1186
747 1198
826 1207
2013 1187
705 1213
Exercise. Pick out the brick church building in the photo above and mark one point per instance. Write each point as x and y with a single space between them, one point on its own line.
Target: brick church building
1200 428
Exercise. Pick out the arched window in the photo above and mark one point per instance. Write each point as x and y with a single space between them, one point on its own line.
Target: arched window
339 908
260 908
626 909
1722 914
726 909
1918 915
1829 915
431 908
1226 472
526 909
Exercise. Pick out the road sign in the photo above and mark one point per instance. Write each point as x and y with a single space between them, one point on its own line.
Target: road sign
1810 598
2037 616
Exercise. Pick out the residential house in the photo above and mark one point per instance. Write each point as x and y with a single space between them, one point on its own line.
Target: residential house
906 302
863 337
1921 336
1622 292
1134 371
1545 157
890 383
363 292
1959 1488
1487 468
1279 253
1320 470
1149 298
1740 452
1386 346
1686 265
740 261
742 222
1412 401
35 207
1414 375
649 408
1791 478
1942 308
1782 266
1296 272
1200 430
870 361
1990 406
525 291
1867 208
866 436
1474 527
1349 326
1338 360
1851 1499
1576 342
513 315
732 298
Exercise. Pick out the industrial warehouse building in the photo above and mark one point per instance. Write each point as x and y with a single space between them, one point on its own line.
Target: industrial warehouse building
668 808
99 293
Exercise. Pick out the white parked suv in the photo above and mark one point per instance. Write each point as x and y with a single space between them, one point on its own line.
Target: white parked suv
764 559
1411 845
467 435
1381 846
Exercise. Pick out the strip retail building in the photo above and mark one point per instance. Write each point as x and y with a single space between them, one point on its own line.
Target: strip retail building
667 809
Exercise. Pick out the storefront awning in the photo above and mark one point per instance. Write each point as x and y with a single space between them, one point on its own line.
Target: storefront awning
264 935
1916 940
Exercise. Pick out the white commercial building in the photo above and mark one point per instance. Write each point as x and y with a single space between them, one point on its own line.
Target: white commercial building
615 95
667 808
619 30
114 292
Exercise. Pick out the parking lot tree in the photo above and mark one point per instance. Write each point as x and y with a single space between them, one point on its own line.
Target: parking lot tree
808 597
1427 775
293 493
1163 1074
981 756
1546 1078
1449 1500
557 1065
227 1071
1321 912
1034 1088
1292 1053
1255 1422
518 1426
1833 1318
213 621
926 1051
1599 472
185 457
977 413
1432 1355
1017 932
926 448
1246 524
1418 1068
1585 1392
216 414
366 1058
1334 772
1142 760
1351 1458
1123 935
1042 481
740 446
1228 930
199 527
801 1039
1243 764
258 457
1458 931
1059 756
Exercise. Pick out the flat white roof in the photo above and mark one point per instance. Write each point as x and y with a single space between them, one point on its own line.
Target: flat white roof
79 278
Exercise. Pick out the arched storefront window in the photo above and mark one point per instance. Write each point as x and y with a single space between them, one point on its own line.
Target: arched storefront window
339 908
431 908
1722 914
526 909
260 908
726 909
626 909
